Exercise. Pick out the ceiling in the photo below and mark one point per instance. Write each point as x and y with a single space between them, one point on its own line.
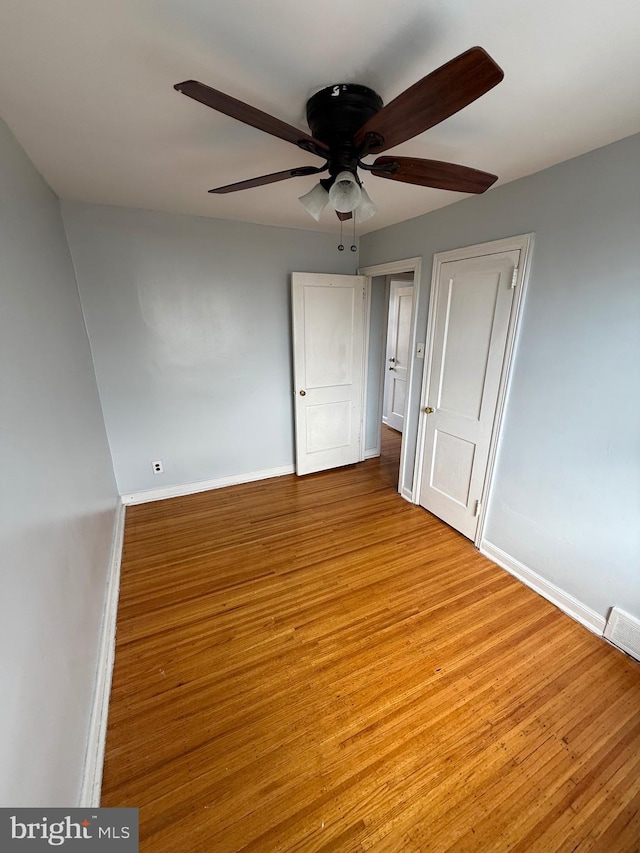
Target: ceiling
87 88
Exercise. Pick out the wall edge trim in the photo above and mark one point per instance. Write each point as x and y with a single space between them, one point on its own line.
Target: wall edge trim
563 600
97 737
204 485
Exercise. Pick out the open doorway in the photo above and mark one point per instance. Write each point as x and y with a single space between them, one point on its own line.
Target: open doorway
399 307
391 335
399 291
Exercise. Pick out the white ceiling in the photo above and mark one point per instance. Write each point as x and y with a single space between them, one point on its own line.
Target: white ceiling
87 88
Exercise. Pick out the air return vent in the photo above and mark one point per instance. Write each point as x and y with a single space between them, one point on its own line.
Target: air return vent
623 631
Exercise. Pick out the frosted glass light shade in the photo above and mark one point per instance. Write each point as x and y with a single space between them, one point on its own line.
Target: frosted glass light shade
366 209
345 194
315 201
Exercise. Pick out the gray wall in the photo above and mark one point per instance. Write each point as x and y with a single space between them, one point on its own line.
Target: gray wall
566 497
189 323
57 499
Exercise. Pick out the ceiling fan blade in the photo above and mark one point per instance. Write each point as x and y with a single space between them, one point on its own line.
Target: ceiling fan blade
433 173
431 100
251 116
269 179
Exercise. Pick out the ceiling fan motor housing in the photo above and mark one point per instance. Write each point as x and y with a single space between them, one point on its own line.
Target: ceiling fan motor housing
335 115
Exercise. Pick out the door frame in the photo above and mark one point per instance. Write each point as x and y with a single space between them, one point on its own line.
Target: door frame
523 243
408 265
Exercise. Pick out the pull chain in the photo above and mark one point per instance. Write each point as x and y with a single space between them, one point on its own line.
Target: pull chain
354 248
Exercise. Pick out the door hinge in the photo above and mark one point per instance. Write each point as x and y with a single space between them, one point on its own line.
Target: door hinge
476 511
514 277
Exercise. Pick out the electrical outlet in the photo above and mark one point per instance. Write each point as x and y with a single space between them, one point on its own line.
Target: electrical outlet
157 467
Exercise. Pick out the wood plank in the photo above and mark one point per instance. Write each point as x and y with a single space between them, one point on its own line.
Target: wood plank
316 665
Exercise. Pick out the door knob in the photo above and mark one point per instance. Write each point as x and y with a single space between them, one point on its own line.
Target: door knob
428 410
303 393
392 358
392 368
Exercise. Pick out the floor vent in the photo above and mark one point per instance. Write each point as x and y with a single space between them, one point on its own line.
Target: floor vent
624 631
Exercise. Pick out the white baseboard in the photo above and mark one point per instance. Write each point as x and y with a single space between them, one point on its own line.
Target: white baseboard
567 603
204 485
372 453
407 494
94 760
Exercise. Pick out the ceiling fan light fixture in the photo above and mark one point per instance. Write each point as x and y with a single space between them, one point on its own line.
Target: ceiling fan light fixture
348 121
315 201
367 208
345 193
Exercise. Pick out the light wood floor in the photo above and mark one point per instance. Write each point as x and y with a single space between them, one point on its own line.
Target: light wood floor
314 664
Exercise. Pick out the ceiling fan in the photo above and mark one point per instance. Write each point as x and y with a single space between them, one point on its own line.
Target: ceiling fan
349 122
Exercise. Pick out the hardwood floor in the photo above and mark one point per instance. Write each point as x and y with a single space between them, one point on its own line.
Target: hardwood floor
314 664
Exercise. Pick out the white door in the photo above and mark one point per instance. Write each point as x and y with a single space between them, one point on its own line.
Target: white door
397 364
473 300
328 366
